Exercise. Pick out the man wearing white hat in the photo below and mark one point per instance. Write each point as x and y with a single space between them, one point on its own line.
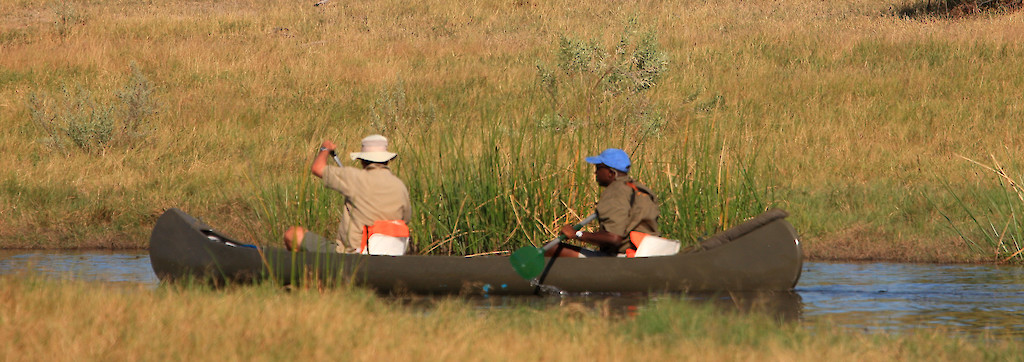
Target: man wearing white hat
377 208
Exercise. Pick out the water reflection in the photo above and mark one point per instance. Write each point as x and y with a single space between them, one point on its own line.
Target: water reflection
976 299
782 306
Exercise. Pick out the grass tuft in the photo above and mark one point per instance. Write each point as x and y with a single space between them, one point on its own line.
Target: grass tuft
996 227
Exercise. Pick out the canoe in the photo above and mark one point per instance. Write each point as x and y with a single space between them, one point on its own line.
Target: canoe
760 254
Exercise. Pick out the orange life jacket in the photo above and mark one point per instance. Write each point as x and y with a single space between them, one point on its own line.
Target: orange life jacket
396 228
636 238
660 246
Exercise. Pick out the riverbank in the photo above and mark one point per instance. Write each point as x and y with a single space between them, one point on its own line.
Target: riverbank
851 115
43 321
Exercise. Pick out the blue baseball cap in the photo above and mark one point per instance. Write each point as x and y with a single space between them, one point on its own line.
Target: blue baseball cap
612 157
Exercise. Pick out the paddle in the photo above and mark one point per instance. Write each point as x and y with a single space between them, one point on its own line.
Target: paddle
335 156
529 261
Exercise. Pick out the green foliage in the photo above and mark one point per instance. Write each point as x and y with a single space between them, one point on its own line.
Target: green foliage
482 191
79 119
642 63
90 125
555 122
301 202
705 187
634 65
575 56
513 191
996 224
593 86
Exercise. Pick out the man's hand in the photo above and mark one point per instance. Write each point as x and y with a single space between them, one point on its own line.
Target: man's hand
320 161
569 232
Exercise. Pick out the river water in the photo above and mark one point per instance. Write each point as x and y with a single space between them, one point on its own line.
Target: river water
892 297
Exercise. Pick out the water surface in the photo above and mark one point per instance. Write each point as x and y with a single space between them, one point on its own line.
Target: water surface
100 266
972 299
893 296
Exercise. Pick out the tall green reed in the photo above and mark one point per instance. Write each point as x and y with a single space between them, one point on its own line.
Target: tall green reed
994 226
498 192
305 202
492 190
300 201
708 186
487 191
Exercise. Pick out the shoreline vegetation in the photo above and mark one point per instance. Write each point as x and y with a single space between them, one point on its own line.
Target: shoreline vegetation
888 129
44 320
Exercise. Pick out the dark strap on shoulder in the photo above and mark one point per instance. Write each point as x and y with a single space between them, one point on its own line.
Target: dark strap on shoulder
632 196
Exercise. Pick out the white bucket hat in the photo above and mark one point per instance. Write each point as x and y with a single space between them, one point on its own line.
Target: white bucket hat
375 149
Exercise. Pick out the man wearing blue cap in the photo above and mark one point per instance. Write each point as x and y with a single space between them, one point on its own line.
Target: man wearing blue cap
625 206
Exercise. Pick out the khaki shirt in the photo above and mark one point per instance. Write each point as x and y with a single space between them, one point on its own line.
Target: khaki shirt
622 209
371 194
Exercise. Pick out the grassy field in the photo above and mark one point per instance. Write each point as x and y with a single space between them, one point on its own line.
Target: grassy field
845 113
64 321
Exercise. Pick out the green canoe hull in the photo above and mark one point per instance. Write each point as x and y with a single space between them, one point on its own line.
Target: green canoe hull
761 254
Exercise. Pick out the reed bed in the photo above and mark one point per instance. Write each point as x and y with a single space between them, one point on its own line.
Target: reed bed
496 198
994 227
844 113
67 320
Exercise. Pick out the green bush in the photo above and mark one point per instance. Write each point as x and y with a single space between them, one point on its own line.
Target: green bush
76 119
593 86
79 119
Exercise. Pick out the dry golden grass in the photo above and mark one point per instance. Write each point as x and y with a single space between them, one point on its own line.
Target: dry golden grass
856 112
65 321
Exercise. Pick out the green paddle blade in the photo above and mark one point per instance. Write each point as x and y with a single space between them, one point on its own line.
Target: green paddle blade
528 262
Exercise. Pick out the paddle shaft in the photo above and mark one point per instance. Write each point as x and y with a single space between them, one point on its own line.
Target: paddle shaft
334 155
528 261
554 242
